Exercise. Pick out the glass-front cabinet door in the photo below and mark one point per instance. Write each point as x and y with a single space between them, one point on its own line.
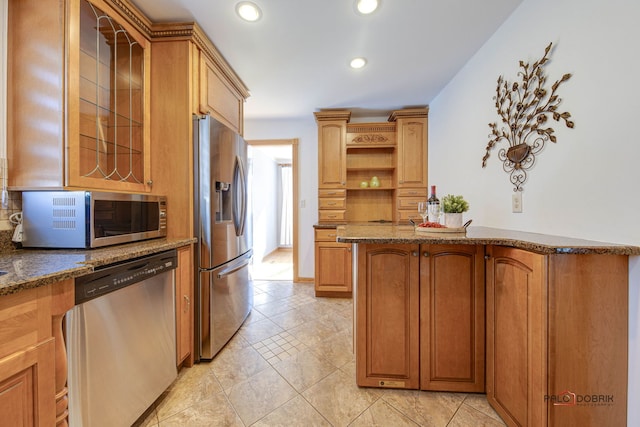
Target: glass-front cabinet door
108 144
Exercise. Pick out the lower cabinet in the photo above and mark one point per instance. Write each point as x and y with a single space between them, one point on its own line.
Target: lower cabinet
557 338
33 363
388 316
333 271
452 329
420 317
184 307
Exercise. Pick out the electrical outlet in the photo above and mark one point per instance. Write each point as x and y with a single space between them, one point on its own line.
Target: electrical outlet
303 203
516 202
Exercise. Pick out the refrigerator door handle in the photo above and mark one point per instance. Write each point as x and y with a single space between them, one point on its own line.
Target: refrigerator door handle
240 195
236 265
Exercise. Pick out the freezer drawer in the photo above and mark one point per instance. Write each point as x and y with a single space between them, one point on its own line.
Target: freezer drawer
226 298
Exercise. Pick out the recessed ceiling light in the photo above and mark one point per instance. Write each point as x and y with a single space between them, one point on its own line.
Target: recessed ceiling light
366 7
358 62
248 11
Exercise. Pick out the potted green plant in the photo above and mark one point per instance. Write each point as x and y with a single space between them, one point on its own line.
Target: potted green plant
453 207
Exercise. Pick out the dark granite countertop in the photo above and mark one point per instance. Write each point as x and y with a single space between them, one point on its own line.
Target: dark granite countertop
30 268
541 243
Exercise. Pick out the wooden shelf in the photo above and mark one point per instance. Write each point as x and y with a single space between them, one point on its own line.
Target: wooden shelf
371 168
371 188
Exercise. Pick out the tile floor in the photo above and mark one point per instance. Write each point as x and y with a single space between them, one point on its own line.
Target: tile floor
291 364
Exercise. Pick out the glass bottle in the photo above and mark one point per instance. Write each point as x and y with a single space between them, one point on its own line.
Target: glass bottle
434 206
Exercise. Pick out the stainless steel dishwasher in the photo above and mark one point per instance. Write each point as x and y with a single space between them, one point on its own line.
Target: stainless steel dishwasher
121 341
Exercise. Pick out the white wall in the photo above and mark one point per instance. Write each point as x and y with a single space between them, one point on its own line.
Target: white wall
264 183
583 186
306 132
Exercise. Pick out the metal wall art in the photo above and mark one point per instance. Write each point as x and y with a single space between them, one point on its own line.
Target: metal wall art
524 108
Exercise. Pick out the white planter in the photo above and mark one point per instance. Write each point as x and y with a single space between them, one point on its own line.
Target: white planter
453 220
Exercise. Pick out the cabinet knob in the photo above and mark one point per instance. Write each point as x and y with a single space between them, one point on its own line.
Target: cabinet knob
188 302
343 183
425 254
487 256
401 182
150 182
414 253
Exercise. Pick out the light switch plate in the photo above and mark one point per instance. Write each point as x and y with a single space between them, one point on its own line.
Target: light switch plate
516 202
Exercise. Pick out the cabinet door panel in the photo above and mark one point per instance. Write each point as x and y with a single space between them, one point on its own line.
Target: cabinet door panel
184 307
332 156
27 389
452 317
333 269
412 152
516 344
388 316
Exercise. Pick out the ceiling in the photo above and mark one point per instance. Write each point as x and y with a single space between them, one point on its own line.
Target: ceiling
295 60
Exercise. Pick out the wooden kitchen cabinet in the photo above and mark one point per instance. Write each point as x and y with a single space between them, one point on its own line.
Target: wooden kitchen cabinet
557 341
33 364
388 316
177 83
351 153
184 307
86 125
332 152
218 97
420 317
452 315
333 265
412 147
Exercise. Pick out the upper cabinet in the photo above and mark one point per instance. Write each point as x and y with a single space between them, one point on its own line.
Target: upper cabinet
188 76
78 95
377 170
412 147
332 156
218 97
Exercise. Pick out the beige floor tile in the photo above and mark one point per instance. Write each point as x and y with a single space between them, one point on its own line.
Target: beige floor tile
254 316
292 318
259 395
213 411
279 347
339 399
297 368
429 409
192 386
469 416
313 332
338 349
479 402
296 412
257 331
233 367
304 369
383 415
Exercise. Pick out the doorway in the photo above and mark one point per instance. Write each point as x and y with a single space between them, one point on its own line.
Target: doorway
273 177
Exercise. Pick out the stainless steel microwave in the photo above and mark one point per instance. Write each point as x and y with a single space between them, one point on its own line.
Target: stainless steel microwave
90 219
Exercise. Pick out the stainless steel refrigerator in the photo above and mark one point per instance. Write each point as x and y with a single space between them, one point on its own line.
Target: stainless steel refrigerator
224 288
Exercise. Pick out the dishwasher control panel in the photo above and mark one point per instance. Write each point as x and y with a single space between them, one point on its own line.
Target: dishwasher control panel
116 276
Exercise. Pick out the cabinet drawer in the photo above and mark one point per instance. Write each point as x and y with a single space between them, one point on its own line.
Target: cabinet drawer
331 215
409 203
326 234
413 192
326 203
332 192
405 216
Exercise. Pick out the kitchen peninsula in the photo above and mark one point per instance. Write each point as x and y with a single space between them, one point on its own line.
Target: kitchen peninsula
538 322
